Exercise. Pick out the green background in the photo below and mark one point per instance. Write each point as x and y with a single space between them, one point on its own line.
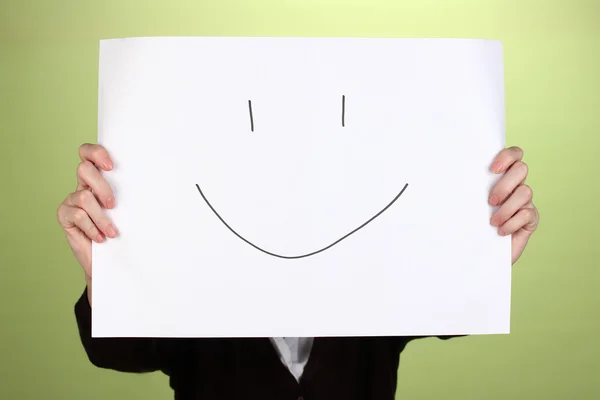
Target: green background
48 89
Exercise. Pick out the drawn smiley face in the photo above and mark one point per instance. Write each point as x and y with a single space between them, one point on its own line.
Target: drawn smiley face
299 148
348 168
314 252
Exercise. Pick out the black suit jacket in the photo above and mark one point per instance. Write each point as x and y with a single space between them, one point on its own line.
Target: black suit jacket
349 368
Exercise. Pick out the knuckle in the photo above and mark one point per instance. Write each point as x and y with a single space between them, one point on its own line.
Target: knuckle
517 150
79 216
59 211
530 218
92 231
98 152
84 197
83 149
527 191
91 151
83 167
522 168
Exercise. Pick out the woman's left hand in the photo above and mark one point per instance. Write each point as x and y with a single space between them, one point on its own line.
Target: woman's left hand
516 216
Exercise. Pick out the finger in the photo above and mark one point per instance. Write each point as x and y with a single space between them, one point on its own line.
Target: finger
505 158
519 241
523 219
519 199
97 155
514 177
78 218
88 176
85 200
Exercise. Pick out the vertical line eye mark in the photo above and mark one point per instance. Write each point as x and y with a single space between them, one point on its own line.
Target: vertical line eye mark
343 110
251 118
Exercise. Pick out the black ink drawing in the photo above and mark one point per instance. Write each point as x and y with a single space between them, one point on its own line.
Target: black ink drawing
251 118
343 110
316 251
302 255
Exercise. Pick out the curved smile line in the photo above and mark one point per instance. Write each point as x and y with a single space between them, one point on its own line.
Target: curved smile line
302 255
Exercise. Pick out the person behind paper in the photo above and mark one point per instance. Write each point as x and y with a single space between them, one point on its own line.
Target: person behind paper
259 368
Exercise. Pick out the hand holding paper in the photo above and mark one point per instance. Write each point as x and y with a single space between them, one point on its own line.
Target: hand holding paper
517 215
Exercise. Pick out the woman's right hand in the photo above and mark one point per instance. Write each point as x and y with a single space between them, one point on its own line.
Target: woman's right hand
81 214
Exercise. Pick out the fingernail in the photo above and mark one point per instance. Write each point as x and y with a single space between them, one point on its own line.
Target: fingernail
111 231
108 164
501 232
110 202
493 200
99 238
497 167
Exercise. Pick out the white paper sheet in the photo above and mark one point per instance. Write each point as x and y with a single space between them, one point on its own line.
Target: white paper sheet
301 187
